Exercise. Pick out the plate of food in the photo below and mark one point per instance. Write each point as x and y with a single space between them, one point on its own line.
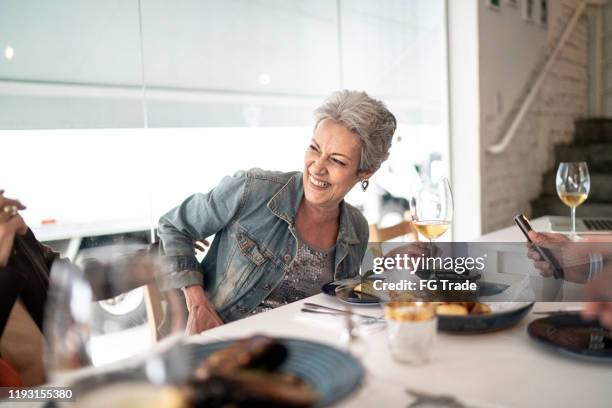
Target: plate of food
260 371
568 333
353 291
480 317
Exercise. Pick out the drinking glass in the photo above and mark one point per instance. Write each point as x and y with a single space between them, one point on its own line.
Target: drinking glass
432 209
411 330
81 332
573 185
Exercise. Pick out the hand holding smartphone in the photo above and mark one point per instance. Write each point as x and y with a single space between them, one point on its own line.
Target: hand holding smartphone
525 227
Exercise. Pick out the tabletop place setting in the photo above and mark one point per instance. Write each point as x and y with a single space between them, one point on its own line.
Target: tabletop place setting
306 204
358 341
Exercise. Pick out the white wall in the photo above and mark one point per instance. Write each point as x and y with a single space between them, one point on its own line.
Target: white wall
464 117
509 49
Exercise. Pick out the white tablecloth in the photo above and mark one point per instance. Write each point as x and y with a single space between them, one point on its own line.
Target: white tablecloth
504 368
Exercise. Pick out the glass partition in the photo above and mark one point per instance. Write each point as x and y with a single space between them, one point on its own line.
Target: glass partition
240 70
112 112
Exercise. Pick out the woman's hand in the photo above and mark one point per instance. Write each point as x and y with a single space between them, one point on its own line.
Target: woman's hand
8 230
202 314
11 224
573 258
9 207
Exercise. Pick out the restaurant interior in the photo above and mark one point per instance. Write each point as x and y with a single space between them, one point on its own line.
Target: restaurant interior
306 203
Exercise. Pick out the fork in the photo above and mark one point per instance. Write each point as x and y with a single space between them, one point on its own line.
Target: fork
329 313
314 306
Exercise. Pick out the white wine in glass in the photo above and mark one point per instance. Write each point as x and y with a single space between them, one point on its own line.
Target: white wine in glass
431 229
573 200
432 209
573 185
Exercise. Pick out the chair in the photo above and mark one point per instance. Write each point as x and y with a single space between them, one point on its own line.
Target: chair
404 228
109 281
378 235
155 311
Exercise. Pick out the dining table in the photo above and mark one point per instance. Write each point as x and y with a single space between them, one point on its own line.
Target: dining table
504 368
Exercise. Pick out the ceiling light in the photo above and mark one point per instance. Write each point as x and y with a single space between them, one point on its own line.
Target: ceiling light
264 79
9 52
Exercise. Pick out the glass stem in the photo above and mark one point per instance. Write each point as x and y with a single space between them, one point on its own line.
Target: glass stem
573 234
432 273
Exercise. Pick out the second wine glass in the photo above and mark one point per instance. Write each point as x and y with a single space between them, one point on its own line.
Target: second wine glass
432 209
573 185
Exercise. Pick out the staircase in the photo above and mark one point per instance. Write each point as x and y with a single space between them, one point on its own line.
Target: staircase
592 144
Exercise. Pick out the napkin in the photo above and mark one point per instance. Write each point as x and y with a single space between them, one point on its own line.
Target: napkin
336 322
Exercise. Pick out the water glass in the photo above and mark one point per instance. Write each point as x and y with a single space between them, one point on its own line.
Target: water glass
411 330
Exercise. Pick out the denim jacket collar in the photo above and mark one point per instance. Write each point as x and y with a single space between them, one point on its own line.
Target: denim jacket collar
286 202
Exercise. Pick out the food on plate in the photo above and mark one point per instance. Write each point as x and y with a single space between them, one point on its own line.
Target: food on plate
257 352
244 374
481 308
253 389
451 309
366 287
401 295
462 308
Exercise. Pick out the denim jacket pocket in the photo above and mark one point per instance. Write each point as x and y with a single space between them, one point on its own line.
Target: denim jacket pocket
247 260
249 249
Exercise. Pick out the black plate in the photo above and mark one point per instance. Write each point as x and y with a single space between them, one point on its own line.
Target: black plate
349 295
332 373
484 323
570 334
471 275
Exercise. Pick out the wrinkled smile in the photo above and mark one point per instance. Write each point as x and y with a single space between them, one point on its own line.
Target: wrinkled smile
318 183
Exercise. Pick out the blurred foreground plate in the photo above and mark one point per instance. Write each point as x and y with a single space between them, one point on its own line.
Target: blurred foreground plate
504 315
570 334
332 373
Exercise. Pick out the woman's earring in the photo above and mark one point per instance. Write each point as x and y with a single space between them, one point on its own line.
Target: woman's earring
364 184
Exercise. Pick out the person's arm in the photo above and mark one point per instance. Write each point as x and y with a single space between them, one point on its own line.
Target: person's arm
600 245
198 217
598 298
10 282
572 257
202 313
11 224
8 230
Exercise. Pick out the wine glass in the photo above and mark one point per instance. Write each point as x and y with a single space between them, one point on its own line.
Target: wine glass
82 332
573 185
432 209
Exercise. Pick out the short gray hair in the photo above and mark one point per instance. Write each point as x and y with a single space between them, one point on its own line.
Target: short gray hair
367 118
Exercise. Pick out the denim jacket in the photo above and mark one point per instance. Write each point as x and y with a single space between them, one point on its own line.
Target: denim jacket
253 217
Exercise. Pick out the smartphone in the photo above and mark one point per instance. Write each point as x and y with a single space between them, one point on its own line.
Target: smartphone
525 227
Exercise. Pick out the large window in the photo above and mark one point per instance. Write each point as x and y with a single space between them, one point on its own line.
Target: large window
114 111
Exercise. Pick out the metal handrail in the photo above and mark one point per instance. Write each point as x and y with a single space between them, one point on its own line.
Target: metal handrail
500 146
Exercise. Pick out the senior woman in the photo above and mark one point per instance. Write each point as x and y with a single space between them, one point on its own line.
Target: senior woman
280 236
